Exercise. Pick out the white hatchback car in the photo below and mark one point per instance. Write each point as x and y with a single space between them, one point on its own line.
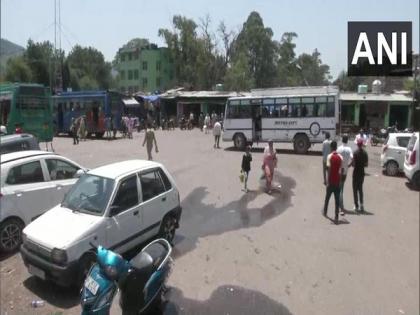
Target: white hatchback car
412 160
393 153
117 206
31 183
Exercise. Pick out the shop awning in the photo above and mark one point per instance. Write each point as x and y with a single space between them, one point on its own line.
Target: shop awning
130 103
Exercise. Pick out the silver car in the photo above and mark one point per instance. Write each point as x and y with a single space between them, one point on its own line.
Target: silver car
393 153
31 183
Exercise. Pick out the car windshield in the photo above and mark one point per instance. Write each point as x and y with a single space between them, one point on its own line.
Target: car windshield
90 194
412 142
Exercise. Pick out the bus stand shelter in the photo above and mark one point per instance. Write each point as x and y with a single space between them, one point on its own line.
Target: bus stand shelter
178 102
375 110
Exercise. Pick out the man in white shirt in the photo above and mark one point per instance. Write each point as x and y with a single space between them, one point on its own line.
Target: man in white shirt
361 135
217 132
347 154
326 149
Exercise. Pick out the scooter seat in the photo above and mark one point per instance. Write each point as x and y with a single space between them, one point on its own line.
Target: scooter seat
142 263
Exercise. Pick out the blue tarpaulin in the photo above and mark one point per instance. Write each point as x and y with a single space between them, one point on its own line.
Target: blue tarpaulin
151 98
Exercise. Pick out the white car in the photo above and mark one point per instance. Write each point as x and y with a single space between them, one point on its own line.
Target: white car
393 153
31 183
412 160
117 206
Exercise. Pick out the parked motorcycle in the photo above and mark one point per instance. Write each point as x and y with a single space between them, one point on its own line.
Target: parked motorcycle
141 281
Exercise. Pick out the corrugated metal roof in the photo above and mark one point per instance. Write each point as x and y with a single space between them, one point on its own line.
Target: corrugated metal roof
296 90
202 94
394 97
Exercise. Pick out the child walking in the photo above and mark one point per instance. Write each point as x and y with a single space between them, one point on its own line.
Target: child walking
246 166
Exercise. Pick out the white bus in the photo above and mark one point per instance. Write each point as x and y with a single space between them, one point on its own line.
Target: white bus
299 115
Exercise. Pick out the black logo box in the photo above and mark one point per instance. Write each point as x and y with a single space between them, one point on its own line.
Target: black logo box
363 68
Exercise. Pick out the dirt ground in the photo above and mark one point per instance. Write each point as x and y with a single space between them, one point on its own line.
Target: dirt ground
253 253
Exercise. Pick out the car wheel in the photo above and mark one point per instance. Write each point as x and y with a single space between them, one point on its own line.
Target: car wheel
416 180
168 227
301 144
391 168
10 235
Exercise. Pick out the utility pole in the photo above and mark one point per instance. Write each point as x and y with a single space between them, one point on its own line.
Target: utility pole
303 76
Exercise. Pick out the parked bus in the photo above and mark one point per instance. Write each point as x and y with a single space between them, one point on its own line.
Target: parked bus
27 106
299 115
94 105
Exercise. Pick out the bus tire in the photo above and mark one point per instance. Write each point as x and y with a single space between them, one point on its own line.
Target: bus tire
239 141
301 144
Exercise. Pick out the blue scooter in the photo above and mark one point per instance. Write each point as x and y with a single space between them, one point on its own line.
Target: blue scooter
141 280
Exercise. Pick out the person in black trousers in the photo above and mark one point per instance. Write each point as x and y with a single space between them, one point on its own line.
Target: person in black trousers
360 161
246 166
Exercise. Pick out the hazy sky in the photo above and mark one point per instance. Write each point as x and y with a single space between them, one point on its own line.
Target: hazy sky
107 25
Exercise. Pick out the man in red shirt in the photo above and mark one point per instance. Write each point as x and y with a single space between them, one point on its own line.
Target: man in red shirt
334 162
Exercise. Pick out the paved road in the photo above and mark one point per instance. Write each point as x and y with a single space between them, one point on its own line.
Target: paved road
255 253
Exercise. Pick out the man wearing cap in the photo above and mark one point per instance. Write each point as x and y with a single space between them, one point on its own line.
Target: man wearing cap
360 161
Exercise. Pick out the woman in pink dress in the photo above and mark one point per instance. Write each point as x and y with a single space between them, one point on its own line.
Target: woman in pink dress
270 162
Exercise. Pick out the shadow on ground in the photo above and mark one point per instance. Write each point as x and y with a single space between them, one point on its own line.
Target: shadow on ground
200 219
279 151
53 294
226 299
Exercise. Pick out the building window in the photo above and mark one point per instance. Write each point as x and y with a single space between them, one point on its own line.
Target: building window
158 65
171 75
144 65
136 55
130 74
158 82
144 83
136 74
130 56
122 75
122 57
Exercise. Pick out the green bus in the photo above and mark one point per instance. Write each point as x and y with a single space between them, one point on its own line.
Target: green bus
28 106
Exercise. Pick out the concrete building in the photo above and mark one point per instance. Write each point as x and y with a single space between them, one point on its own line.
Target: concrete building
144 69
178 102
375 110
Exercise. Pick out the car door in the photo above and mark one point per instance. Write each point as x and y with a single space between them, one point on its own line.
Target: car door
154 201
125 226
62 175
400 150
28 190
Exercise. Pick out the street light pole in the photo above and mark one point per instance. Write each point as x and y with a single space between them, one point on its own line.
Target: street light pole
303 76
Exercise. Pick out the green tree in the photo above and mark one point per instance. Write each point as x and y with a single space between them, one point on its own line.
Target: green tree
134 43
238 76
88 62
287 71
17 70
313 71
40 59
183 48
256 42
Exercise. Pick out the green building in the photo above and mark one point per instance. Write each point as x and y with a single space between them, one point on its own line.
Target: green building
144 69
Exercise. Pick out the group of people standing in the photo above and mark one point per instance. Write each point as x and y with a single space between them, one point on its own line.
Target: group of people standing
336 162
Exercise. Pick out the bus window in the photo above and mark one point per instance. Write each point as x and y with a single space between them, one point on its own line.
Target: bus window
284 111
330 110
5 110
281 101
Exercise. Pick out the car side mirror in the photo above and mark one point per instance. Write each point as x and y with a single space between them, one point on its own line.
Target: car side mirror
113 210
79 173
